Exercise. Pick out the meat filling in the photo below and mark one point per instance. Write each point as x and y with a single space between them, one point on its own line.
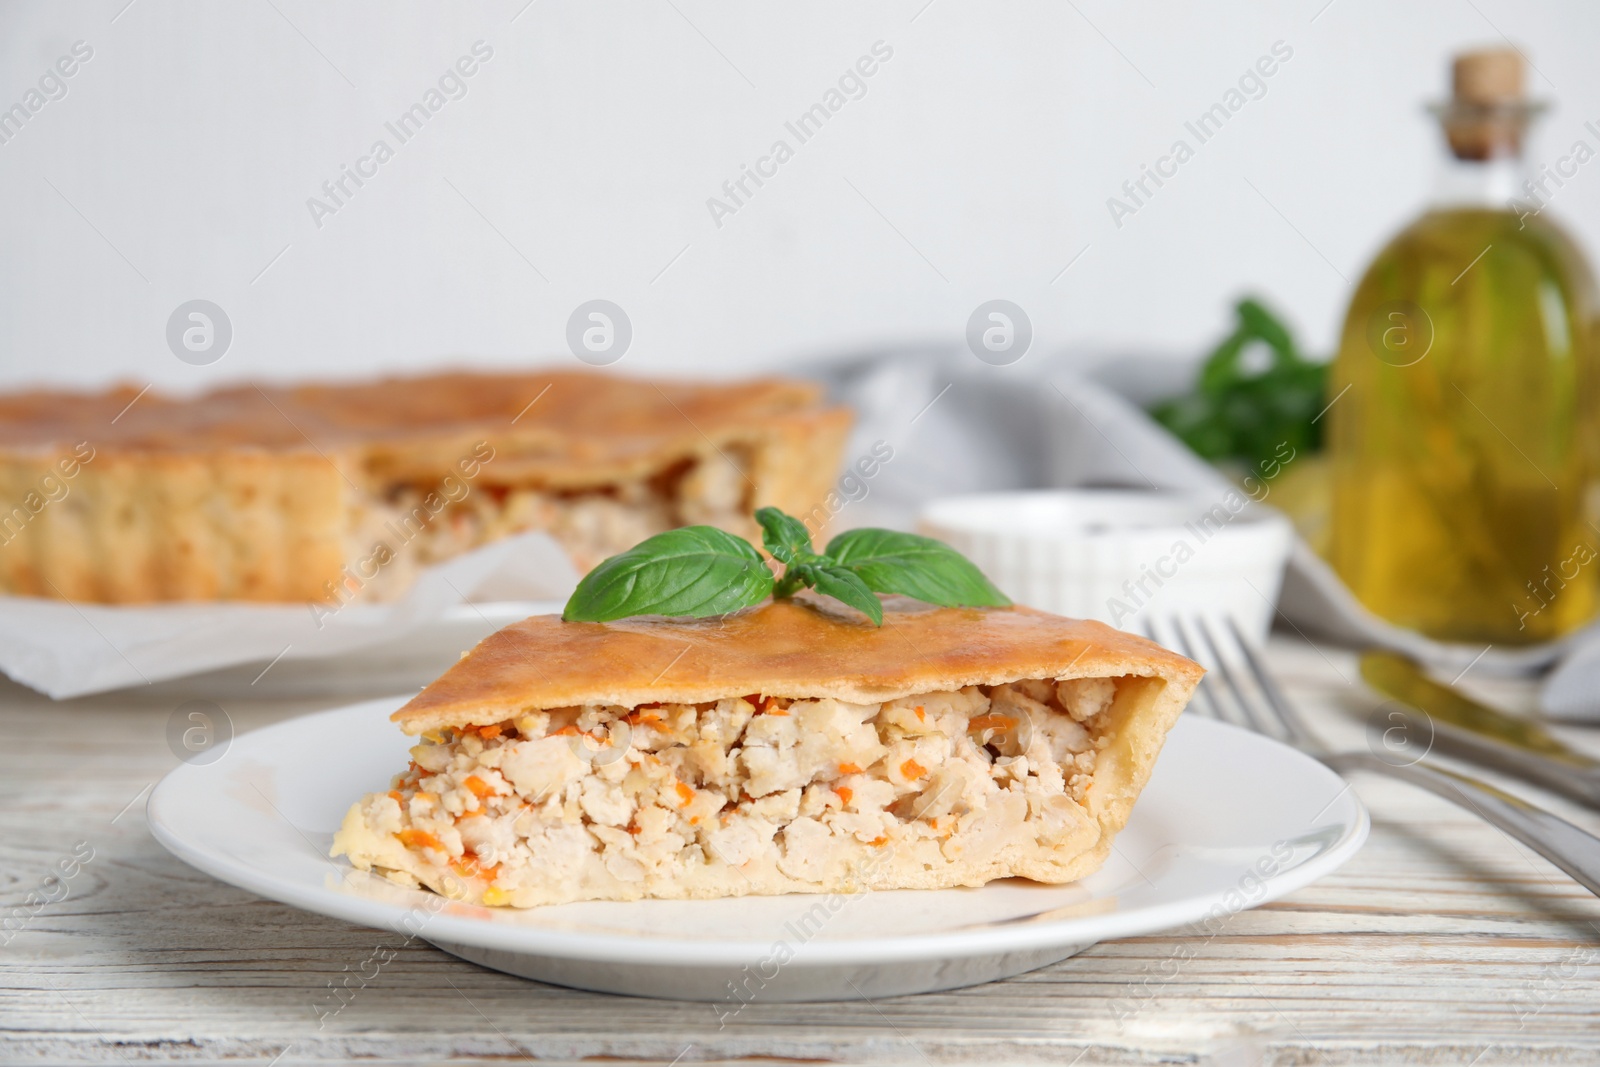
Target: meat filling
416 526
747 794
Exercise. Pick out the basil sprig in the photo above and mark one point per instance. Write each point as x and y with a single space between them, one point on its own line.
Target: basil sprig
694 570
701 570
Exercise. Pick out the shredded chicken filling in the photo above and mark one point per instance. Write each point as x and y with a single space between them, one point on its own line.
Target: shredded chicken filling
419 526
646 790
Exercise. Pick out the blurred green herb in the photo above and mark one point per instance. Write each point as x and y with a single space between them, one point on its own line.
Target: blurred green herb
1247 413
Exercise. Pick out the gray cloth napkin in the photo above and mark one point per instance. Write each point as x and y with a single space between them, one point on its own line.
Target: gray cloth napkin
957 425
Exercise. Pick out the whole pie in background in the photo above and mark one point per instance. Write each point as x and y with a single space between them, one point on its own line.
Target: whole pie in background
327 492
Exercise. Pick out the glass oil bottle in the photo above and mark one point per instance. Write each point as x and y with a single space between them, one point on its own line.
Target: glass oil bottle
1463 421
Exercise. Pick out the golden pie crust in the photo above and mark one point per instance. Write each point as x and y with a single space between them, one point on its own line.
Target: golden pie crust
286 493
799 648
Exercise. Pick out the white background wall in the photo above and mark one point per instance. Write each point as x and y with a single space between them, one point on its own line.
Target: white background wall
578 165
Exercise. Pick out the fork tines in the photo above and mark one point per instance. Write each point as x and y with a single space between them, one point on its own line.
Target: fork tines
1237 688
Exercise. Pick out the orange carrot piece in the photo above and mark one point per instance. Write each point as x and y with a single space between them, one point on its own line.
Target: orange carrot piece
468 866
478 786
912 769
991 722
412 838
849 768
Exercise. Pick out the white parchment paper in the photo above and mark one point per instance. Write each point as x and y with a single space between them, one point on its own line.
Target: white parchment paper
67 649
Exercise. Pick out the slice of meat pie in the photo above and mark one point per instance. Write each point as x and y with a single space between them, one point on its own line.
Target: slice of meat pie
330 492
788 748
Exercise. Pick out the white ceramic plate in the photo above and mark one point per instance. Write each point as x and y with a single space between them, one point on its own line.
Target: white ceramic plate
1229 820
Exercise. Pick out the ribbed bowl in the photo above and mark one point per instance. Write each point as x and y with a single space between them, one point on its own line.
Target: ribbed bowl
1124 556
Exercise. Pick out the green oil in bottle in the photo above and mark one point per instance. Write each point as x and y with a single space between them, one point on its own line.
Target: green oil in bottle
1462 428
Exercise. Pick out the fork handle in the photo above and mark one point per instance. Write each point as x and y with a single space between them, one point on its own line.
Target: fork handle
1575 851
1577 783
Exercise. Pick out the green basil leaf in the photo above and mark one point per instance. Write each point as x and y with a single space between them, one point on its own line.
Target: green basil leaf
695 570
786 537
846 585
889 561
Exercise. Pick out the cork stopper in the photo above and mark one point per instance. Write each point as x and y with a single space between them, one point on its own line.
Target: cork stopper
1489 110
1492 77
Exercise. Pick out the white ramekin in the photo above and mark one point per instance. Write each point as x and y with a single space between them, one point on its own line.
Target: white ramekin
1125 557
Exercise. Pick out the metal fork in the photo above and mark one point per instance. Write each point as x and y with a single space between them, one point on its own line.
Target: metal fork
1262 707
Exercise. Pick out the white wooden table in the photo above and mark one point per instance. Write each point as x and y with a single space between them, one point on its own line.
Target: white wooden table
1442 942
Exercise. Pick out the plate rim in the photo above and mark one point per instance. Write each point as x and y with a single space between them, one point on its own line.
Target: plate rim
601 947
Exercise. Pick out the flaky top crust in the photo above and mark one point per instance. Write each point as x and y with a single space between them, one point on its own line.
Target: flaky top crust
802 648
578 417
